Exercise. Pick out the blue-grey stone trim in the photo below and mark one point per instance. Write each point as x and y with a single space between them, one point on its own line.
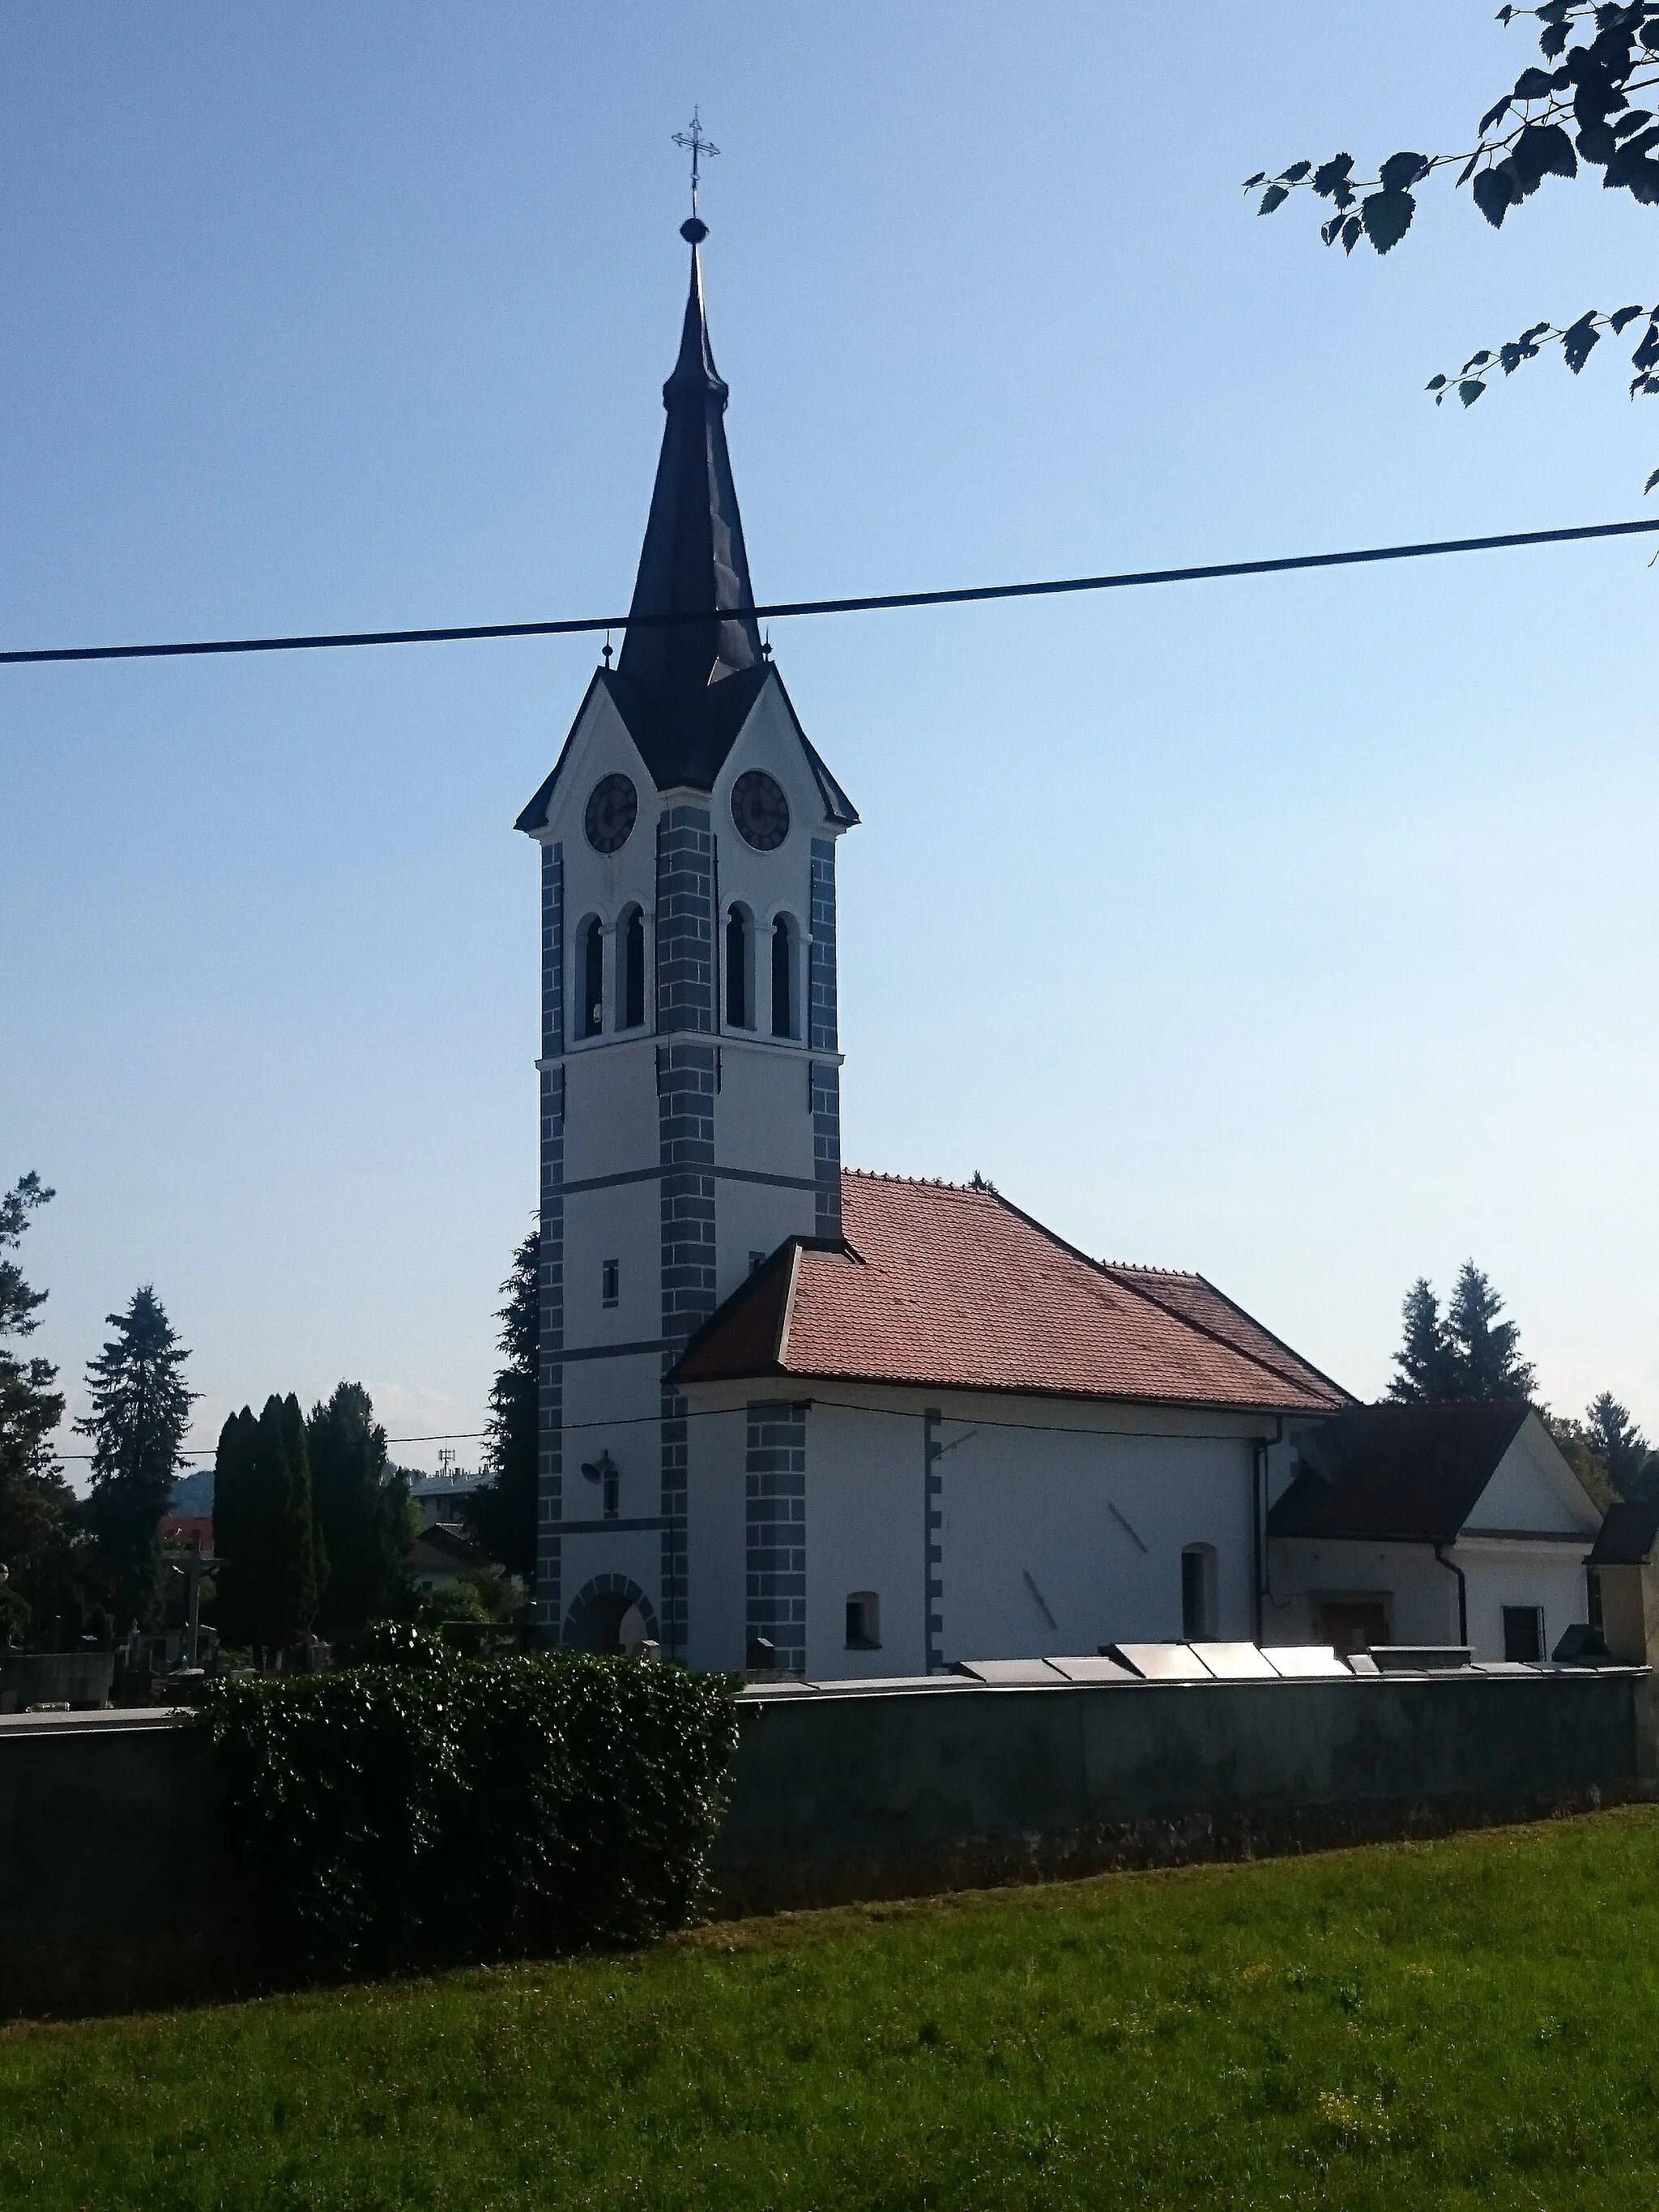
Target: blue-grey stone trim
932 1541
550 1478
722 1175
775 1551
621 1351
642 1524
685 1132
823 1034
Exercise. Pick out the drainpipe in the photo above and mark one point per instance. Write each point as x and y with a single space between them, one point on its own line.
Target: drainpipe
1462 1591
1259 1451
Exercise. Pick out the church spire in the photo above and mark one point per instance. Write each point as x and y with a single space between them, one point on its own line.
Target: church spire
693 561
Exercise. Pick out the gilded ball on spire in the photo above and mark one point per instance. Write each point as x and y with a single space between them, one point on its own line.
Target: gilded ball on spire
693 230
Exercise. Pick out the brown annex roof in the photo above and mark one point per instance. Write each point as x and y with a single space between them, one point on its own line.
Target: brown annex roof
954 1288
1409 1474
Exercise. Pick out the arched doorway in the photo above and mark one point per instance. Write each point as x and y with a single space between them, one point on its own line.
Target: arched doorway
609 1614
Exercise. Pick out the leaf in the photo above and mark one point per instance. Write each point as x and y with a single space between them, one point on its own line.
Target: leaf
1505 13
1579 341
1554 11
1352 231
1650 483
1532 84
1295 173
1649 34
1554 39
1494 115
1647 352
1469 391
1332 176
1435 384
1386 216
1478 360
1597 143
1535 332
1274 197
1494 194
1631 120
1260 178
1624 315
1467 170
1400 170
1543 149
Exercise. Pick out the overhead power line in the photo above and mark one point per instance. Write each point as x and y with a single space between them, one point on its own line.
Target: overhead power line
874 603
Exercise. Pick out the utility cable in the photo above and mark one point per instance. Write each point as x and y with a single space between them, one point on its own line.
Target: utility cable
872 603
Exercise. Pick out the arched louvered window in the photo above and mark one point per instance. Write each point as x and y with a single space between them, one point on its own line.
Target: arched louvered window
783 977
739 1014
633 966
591 1014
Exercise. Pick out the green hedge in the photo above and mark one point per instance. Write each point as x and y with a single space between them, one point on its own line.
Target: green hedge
415 1816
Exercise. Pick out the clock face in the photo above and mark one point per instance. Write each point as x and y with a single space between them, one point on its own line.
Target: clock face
610 814
760 810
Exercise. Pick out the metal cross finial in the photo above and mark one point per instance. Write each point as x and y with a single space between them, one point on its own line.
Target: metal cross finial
698 146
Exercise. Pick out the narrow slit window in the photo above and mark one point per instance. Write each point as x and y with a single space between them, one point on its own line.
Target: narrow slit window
1198 1593
864 1621
737 970
783 996
634 971
609 1282
593 1009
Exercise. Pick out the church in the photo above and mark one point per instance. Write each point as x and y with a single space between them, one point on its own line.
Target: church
834 1424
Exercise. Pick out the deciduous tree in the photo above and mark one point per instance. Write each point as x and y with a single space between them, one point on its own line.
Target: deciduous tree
36 1503
1574 116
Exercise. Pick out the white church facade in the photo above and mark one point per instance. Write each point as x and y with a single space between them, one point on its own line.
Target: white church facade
840 1424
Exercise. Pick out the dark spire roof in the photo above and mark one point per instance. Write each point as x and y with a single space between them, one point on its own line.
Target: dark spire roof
693 558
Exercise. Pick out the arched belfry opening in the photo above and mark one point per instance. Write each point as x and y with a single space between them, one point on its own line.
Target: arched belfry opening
631 994
784 1022
739 1013
590 962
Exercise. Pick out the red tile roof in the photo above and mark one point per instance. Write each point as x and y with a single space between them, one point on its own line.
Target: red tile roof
956 1289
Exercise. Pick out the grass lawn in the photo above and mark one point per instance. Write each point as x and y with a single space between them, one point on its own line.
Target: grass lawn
1468 2022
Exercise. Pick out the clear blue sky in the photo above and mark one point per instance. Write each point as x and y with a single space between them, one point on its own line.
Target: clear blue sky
1302 931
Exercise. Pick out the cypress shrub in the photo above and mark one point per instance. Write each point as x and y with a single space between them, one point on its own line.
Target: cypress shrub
412 1817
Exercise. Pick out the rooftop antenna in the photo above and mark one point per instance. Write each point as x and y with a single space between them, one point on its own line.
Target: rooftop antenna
696 145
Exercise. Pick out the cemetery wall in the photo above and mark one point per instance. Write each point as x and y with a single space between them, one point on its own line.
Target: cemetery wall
119 1885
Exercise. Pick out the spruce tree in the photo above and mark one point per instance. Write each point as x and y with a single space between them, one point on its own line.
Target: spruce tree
501 1514
140 1411
1618 1444
361 1507
1486 1351
1424 1359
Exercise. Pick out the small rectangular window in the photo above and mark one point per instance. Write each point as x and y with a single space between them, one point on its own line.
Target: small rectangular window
609 1282
864 1621
757 1261
1198 1593
1523 1632
1597 1620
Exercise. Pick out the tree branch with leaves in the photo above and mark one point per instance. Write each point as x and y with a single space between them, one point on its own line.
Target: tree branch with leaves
1554 122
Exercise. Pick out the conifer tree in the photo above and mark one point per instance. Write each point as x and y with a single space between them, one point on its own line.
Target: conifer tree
501 1514
1423 1359
1486 1351
264 1529
1619 1445
140 1411
361 1509
36 1503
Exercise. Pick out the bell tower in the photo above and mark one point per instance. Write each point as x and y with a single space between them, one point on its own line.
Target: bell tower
690 1067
